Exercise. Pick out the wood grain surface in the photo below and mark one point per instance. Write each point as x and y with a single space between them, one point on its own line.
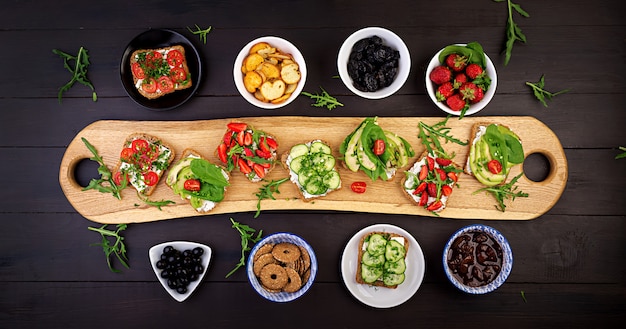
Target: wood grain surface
381 196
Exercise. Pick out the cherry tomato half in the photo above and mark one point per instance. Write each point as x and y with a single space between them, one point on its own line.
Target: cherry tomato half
140 145
379 147
165 84
117 178
192 185
174 58
149 85
494 166
127 154
178 74
150 178
153 56
138 71
358 187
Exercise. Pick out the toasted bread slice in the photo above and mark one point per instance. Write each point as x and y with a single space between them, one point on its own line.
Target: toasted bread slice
134 58
135 174
378 283
171 180
306 197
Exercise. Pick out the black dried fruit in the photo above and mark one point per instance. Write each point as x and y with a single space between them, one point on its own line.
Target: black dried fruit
372 65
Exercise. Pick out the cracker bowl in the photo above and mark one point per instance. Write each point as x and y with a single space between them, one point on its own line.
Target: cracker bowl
431 87
281 267
477 259
265 75
398 74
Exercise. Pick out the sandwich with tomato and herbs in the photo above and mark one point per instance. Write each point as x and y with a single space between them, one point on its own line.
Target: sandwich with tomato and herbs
197 180
158 72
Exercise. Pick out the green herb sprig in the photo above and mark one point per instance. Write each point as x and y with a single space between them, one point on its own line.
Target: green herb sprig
267 192
513 32
621 155
79 71
430 137
105 184
154 203
200 32
323 100
540 93
247 236
503 192
117 248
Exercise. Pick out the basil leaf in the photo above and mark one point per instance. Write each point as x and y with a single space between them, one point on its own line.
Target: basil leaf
208 173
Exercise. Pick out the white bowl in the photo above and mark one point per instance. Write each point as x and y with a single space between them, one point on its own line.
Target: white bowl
507 260
285 47
432 89
390 39
155 255
281 296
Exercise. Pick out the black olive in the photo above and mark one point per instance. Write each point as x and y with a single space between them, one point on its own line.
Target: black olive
197 251
181 290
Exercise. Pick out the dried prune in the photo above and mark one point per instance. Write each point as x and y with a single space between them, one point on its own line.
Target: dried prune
475 259
372 65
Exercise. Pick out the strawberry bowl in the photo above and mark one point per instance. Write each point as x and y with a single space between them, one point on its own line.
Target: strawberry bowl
269 72
453 82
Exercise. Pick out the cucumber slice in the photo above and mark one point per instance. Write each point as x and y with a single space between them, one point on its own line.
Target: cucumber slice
370 273
391 279
298 150
322 162
394 251
315 185
296 164
332 180
319 147
395 267
304 175
370 260
376 245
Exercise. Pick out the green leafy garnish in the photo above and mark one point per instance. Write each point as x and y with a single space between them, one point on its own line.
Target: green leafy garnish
323 100
117 248
105 184
473 51
267 192
523 296
157 204
541 93
513 32
79 71
200 32
503 192
430 137
621 155
247 236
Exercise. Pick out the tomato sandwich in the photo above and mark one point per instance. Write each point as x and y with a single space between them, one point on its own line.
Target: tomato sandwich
196 179
143 160
158 72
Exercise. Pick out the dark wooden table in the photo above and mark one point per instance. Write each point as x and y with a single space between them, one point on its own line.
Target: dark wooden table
569 266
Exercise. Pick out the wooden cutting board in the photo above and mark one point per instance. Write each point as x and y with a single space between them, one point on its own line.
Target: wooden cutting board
380 197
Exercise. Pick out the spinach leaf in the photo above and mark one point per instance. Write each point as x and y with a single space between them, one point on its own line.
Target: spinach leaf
208 173
516 152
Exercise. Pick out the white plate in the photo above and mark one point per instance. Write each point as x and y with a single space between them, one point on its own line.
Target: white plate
155 254
381 297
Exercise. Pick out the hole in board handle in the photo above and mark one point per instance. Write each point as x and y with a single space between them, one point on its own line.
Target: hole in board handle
537 167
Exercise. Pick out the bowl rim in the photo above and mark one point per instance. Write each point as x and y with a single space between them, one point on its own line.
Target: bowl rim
281 296
507 259
281 44
398 43
474 108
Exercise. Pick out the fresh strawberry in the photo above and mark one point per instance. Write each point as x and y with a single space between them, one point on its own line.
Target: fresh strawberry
423 199
443 162
259 170
456 62
444 91
221 153
423 173
473 71
459 79
440 75
431 163
243 166
455 102
435 206
431 189
470 92
237 126
446 190
420 188
453 176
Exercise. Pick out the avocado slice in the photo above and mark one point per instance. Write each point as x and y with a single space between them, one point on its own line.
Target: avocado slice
479 157
398 150
172 176
350 156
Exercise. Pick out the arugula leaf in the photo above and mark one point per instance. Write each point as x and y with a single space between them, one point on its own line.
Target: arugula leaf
513 32
247 236
540 93
503 192
430 137
109 185
200 32
324 99
267 192
157 204
621 155
117 248
79 71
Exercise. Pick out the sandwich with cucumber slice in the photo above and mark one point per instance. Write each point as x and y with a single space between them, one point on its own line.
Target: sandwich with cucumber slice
312 169
382 259
196 179
377 152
